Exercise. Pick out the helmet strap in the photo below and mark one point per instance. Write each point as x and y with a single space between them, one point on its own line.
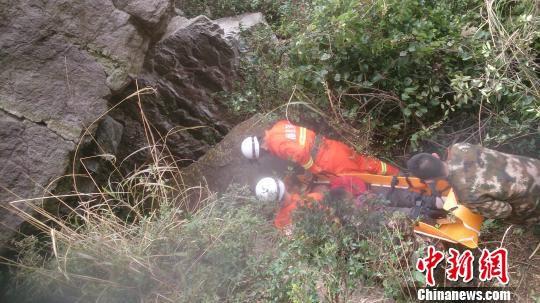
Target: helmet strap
253 147
278 191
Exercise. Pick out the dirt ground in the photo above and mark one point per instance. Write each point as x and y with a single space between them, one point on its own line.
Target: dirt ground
523 267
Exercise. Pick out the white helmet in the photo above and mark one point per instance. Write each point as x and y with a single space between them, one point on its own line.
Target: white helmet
250 147
270 190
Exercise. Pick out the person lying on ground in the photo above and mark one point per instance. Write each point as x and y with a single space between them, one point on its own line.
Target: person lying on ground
413 204
493 184
313 152
352 189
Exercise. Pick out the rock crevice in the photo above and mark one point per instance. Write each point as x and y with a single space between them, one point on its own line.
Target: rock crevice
40 123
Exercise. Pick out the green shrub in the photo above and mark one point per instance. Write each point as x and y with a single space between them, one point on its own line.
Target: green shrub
336 250
409 70
260 88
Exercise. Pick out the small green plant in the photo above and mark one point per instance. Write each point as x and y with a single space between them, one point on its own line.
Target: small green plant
491 225
260 88
224 8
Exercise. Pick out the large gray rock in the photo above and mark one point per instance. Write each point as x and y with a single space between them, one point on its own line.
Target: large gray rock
32 157
58 56
104 32
52 82
154 14
61 61
65 62
188 67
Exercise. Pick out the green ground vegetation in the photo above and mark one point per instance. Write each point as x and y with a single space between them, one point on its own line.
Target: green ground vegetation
136 241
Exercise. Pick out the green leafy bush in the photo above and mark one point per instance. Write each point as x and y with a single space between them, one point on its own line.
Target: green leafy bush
260 88
422 59
410 70
336 250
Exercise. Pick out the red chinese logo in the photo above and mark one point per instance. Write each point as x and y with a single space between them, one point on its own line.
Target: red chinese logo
429 263
494 265
460 265
491 265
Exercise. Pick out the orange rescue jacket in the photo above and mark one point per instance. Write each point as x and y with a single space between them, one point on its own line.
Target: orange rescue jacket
295 143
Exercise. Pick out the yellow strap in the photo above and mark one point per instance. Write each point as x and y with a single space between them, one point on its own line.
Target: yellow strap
384 168
302 136
308 164
417 184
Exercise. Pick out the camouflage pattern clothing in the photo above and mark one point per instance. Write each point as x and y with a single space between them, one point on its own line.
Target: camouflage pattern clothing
495 184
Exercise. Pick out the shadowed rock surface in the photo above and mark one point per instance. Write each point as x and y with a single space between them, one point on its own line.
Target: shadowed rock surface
224 164
187 67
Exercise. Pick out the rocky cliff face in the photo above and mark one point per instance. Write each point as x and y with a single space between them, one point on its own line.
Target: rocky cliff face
65 63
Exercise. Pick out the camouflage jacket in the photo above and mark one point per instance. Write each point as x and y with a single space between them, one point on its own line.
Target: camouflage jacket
495 184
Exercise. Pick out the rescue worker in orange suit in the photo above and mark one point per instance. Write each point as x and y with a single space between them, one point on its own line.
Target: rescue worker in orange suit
313 152
273 190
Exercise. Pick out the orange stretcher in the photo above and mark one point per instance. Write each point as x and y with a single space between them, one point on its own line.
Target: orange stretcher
410 183
462 226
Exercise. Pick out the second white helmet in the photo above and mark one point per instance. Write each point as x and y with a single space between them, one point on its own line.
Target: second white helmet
250 147
270 189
